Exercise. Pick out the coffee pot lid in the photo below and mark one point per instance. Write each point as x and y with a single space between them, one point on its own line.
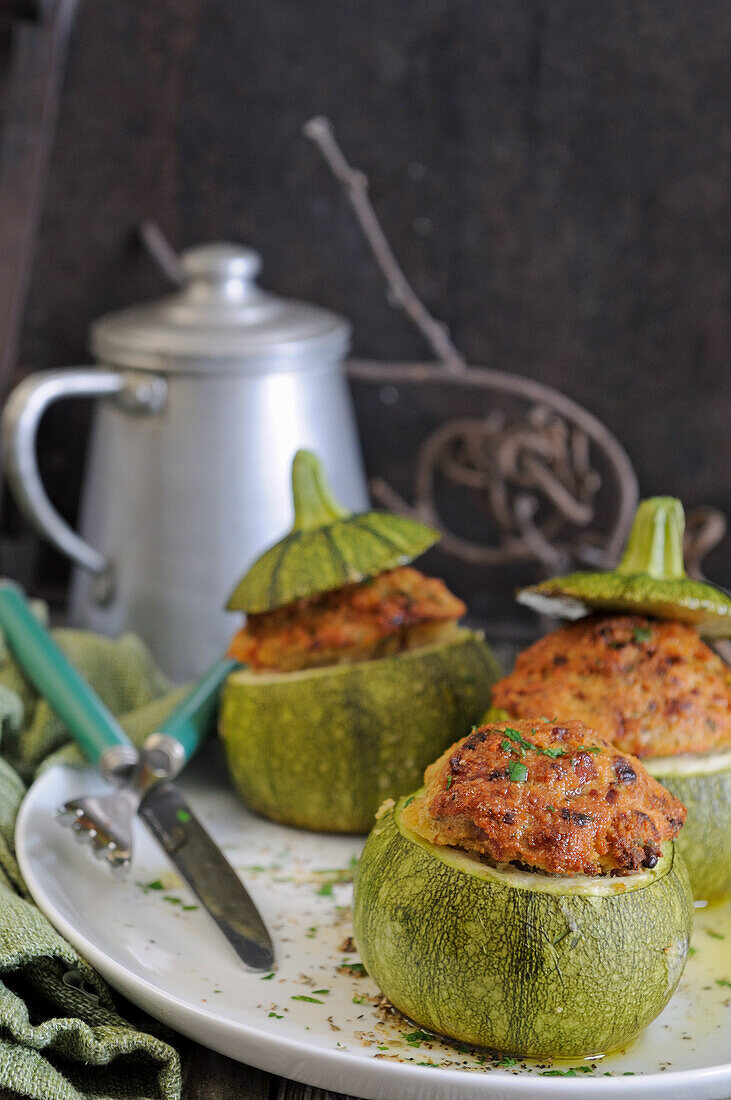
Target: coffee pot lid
219 321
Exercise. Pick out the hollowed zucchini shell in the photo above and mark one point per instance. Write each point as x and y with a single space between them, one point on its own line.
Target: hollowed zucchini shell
520 963
650 579
703 785
321 748
328 547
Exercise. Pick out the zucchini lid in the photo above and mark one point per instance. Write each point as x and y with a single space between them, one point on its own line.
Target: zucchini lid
328 547
650 579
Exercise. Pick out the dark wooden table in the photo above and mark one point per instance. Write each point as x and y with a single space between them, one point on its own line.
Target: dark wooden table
210 1076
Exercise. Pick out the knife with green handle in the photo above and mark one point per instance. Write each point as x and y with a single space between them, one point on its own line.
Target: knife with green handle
141 778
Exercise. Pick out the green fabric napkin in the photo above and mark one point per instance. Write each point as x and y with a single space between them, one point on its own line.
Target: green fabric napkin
60 1035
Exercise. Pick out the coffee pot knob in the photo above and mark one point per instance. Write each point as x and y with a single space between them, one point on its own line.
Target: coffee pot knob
221 262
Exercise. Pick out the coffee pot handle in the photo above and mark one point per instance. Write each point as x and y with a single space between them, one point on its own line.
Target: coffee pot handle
21 418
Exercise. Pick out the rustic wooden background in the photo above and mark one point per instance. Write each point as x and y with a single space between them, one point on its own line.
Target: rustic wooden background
554 177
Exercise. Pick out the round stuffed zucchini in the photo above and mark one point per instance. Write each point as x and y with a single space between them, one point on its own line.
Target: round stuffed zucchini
644 679
357 673
321 748
520 962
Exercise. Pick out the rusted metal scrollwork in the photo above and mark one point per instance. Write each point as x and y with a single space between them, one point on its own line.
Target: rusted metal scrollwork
534 472
544 476
509 467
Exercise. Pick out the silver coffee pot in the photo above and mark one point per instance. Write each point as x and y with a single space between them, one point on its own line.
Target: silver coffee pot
205 397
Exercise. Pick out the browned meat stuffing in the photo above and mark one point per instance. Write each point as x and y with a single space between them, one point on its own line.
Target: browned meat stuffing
396 610
555 798
651 688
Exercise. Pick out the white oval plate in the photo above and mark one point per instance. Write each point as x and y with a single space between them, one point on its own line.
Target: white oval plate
174 963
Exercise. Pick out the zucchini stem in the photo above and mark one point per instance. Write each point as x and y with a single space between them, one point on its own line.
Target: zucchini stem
655 543
314 503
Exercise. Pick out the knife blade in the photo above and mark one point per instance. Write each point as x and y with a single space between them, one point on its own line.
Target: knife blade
208 873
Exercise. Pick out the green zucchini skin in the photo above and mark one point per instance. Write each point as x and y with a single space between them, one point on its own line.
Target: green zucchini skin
514 969
705 839
321 749
307 563
686 601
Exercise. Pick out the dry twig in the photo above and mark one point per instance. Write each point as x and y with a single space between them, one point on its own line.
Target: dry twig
403 295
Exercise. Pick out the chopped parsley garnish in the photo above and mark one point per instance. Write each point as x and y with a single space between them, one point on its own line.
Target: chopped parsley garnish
517 772
360 1000
551 809
338 874
553 752
183 816
507 1062
154 885
176 901
409 800
311 932
724 982
320 992
692 951
518 739
353 968
449 782
267 977
330 876
573 1072
715 935
416 1038
275 1016
641 633
310 1000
